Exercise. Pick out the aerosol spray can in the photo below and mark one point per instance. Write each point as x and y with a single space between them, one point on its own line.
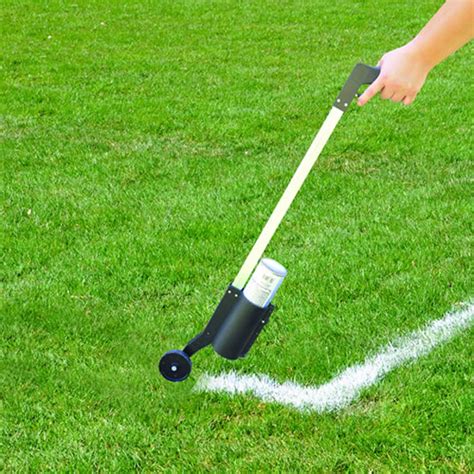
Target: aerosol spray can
264 282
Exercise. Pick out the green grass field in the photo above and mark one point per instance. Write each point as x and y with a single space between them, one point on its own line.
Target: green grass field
144 145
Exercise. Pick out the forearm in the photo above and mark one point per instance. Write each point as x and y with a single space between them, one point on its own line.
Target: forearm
404 70
449 29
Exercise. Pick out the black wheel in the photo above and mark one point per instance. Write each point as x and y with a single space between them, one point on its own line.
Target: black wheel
175 366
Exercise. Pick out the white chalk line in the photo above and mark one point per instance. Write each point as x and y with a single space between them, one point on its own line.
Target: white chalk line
348 385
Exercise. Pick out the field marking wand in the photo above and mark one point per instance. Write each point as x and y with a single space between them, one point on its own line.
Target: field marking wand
245 309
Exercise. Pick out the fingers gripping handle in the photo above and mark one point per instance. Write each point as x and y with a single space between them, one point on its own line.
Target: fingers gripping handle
361 74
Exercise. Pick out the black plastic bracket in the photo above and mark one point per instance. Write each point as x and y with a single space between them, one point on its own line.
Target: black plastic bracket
263 321
197 343
240 328
233 328
206 337
361 74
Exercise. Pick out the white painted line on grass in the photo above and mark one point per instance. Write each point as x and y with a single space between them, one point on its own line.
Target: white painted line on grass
347 386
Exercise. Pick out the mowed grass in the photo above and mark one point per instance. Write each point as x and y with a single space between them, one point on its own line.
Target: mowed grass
144 145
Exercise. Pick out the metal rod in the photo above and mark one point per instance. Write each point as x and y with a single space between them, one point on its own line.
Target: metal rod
287 198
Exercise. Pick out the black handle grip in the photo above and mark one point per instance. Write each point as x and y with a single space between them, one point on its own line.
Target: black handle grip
361 74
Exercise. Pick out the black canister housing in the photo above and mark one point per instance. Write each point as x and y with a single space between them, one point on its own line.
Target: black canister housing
240 328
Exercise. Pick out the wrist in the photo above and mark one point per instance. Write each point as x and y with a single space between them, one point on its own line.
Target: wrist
422 54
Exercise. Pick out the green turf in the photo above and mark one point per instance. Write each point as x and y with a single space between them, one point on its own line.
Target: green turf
143 147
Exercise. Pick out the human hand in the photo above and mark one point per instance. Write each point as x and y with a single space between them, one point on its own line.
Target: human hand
402 74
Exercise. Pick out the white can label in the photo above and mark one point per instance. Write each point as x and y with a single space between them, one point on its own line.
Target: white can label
264 282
